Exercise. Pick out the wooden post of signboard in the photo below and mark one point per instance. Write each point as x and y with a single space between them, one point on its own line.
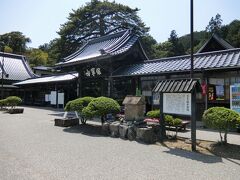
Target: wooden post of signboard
193 120
162 120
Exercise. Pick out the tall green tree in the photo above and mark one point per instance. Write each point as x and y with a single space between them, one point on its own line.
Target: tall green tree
149 45
164 49
15 40
177 46
233 33
215 25
97 18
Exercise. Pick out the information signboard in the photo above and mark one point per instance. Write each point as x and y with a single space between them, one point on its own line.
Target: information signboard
235 97
60 98
177 103
53 97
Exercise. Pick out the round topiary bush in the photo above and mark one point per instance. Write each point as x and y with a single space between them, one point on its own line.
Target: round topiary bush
13 101
78 104
153 114
222 119
101 106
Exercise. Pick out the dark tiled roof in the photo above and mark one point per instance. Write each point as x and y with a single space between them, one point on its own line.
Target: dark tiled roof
208 61
177 86
15 66
224 44
103 47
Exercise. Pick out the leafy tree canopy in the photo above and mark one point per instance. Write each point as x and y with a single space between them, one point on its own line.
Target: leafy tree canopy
95 19
37 57
215 24
15 40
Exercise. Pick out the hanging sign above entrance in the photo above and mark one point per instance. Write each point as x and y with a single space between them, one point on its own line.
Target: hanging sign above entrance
93 72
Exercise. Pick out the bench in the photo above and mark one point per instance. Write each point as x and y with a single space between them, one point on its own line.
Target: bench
155 121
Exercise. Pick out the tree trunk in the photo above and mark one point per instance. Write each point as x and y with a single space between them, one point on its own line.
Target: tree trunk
176 131
102 119
225 137
221 137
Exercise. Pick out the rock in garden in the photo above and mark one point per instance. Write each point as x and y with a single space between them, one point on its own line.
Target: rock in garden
114 129
123 129
131 133
105 129
146 135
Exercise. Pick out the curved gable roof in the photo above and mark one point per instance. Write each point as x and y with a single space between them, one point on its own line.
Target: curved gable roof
102 47
15 66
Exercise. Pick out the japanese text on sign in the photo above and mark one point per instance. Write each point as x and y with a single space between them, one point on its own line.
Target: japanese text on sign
93 72
177 103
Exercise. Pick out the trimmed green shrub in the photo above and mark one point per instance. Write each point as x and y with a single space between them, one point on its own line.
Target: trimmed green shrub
169 119
13 101
101 106
68 106
78 104
153 114
222 119
177 122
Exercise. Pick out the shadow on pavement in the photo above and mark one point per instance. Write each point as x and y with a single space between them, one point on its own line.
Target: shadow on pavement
194 156
227 151
86 129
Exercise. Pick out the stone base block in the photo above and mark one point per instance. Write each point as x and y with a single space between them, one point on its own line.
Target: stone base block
114 129
66 122
131 133
105 129
146 135
16 111
123 129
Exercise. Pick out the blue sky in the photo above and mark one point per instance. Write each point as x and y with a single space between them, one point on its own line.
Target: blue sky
40 20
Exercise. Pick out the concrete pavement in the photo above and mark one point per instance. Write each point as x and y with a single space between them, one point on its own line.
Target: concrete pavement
31 147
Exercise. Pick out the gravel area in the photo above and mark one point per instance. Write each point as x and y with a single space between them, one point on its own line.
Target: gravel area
31 147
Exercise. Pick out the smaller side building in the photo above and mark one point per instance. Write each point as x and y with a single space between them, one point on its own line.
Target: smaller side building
13 68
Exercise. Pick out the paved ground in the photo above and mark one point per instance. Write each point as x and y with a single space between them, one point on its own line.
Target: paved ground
211 135
31 147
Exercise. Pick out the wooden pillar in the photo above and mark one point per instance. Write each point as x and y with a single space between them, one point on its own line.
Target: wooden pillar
110 86
133 86
206 96
138 86
79 85
56 96
110 82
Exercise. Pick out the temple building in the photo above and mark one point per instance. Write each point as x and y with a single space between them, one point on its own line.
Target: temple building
116 65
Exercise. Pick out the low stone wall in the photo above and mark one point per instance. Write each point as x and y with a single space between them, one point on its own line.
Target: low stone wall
131 132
